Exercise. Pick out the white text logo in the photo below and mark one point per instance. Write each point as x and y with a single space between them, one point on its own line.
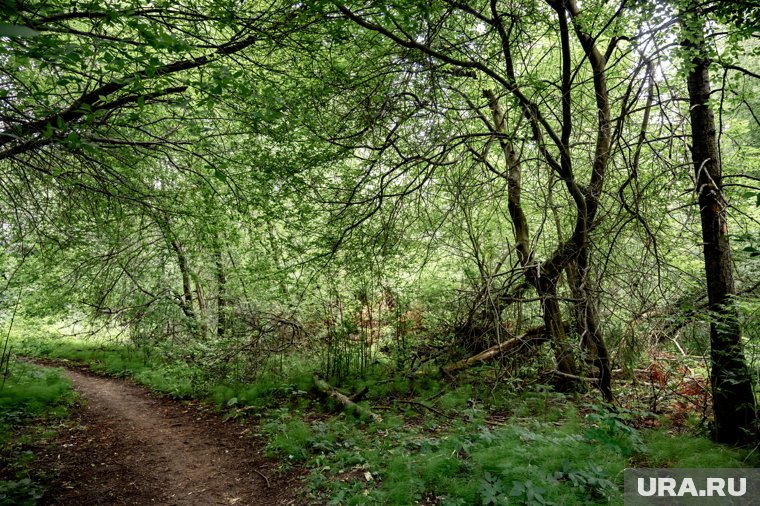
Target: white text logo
714 487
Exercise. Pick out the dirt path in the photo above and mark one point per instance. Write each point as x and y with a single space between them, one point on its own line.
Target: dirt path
130 448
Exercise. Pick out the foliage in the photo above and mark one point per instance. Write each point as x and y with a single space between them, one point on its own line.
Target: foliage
33 401
219 198
611 429
33 391
545 450
291 439
22 492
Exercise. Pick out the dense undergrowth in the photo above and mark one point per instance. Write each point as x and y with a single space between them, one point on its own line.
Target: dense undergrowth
33 402
441 442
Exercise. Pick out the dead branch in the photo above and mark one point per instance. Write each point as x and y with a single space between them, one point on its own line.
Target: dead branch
263 476
423 405
572 376
532 337
360 411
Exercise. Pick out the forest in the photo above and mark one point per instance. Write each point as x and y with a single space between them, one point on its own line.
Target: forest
414 252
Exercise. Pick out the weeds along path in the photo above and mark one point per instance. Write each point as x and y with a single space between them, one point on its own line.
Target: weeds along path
132 448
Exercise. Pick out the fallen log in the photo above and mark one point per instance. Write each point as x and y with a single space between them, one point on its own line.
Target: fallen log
358 410
533 336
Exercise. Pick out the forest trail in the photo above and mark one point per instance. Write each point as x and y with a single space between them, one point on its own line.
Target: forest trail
133 449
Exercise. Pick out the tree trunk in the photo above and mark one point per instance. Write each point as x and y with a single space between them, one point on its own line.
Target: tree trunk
202 309
555 329
546 287
733 399
221 290
187 289
586 308
587 327
277 257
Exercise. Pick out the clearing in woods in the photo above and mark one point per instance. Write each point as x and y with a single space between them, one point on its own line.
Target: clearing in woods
130 448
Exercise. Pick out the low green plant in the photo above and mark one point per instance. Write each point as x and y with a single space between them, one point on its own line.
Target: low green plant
663 450
527 492
611 429
33 400
31 390
456 399
291 440
23 492
592 479
492 490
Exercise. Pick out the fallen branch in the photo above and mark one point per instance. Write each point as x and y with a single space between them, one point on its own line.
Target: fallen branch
533 336
360 411
572 376
421 404
263 476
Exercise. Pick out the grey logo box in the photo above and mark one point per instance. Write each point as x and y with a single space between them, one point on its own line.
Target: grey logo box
692 486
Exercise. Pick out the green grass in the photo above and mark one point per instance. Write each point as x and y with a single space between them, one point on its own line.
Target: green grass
32 391
291 439
465 463
664 450
571 458
439 442
110 357
33 401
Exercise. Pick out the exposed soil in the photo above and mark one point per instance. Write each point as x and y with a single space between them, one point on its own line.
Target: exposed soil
130 448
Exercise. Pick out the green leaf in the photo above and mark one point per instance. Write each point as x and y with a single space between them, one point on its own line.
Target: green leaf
491 489
221 176
517 489
7 30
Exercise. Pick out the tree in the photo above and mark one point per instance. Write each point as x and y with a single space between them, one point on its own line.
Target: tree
214 175
733 398
512 91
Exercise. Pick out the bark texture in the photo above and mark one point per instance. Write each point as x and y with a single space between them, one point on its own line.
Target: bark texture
733 399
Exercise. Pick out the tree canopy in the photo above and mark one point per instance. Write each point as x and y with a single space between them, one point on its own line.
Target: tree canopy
233 181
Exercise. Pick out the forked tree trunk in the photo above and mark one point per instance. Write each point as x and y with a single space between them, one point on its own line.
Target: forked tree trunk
733 399
586 307
545 287
555 328
588 328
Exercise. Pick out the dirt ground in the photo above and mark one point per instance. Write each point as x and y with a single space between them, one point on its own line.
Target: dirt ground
127 447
